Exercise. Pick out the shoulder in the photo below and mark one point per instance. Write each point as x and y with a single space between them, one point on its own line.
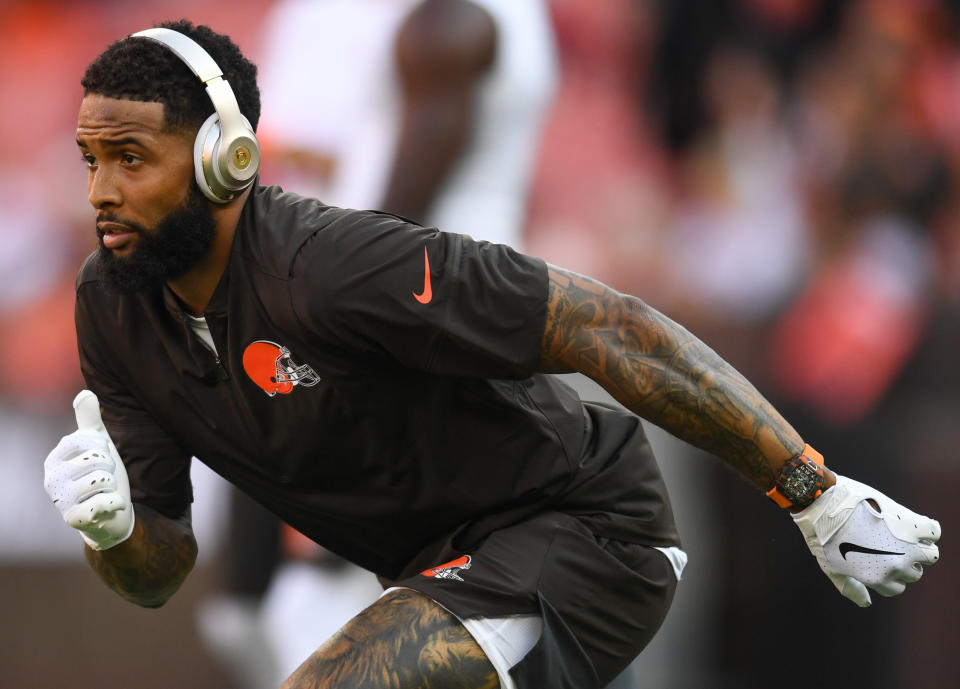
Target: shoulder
277 226
288 236
100 310
448 38
358 240
89 271
93 296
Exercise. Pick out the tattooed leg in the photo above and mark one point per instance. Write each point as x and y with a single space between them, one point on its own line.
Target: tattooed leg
403 641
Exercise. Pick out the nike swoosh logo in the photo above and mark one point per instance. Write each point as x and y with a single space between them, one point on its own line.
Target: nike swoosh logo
854 548
427 294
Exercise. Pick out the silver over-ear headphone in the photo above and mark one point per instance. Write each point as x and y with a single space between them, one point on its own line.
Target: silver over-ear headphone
226 153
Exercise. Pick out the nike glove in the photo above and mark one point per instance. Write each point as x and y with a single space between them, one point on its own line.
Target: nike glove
86 479
859 546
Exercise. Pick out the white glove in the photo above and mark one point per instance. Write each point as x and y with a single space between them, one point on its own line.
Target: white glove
86 479
858 546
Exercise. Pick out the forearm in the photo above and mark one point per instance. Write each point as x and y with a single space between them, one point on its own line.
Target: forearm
663 373
149 567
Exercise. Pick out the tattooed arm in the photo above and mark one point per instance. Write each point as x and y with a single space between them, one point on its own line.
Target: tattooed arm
149 567
663 373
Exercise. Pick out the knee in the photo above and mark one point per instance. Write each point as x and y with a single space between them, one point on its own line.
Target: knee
404 640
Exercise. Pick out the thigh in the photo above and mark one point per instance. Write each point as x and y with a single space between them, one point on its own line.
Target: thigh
402 641
600 600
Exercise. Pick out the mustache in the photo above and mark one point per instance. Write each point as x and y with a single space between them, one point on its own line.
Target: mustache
110 217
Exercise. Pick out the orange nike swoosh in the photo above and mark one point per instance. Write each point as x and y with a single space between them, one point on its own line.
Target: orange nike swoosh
427 294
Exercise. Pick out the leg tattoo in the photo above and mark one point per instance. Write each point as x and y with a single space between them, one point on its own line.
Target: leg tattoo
403 641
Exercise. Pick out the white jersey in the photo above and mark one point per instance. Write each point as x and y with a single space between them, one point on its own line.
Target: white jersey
330 87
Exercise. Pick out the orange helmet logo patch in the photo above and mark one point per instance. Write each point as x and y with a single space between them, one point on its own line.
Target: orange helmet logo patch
269 365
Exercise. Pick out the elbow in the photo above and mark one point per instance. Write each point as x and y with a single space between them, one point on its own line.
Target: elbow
157 595
163 592
147 577
157 599
150 601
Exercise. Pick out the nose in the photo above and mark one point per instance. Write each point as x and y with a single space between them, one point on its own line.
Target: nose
102 188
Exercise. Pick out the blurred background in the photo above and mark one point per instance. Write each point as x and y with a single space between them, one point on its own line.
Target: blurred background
780 176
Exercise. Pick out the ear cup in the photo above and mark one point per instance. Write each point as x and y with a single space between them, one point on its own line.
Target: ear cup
226 154
224 168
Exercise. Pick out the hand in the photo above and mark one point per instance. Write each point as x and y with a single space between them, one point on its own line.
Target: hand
862 538
86 479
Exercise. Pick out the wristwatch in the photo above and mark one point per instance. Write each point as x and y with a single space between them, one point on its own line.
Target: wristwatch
800 481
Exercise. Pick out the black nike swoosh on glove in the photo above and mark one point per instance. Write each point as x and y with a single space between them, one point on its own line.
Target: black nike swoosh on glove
853 547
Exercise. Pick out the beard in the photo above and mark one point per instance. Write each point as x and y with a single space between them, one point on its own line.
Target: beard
177 243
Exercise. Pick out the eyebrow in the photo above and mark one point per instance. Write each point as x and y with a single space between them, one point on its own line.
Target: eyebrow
123 141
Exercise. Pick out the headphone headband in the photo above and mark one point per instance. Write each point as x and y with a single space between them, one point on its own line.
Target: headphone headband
226 151
188 50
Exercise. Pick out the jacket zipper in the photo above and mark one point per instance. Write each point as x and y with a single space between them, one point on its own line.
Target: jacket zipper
222 374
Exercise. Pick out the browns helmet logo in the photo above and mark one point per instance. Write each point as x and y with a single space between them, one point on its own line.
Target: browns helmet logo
269 365
450 570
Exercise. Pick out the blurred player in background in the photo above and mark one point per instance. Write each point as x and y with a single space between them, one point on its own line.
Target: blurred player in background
431 109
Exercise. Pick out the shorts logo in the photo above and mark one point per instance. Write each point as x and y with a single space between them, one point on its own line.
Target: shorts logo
450 570
269 365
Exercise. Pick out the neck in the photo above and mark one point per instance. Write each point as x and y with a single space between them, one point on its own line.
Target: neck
195 288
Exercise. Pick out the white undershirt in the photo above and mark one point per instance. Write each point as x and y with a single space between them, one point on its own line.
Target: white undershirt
202 330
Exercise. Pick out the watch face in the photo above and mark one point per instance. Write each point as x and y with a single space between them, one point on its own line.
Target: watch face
801 481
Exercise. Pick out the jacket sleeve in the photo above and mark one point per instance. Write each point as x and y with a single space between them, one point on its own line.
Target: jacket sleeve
157 467
429 300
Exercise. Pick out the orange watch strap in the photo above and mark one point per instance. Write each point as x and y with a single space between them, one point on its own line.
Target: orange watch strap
779 498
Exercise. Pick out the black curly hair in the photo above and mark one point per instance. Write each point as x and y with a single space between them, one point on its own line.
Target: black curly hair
143 70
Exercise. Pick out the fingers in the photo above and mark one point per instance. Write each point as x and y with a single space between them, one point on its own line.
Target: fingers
890 588
87 409
909 526
934 526
72 480
925 552
908 574
910 571
925 529
94 483
928 553
77 462
75 445
94 510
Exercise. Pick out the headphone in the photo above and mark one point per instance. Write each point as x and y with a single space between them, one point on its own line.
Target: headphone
226 153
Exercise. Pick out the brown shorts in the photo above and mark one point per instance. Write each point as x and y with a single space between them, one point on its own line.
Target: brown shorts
601 600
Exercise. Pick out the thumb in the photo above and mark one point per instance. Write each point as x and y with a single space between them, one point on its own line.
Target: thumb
87 408
853 589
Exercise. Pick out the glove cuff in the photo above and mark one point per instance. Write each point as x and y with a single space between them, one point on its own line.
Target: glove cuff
824 517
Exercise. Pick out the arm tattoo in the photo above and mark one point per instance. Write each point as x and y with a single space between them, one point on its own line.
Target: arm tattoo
149 567
663 373
403 641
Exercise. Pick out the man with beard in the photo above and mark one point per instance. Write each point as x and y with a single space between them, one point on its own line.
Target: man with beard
379 385
169 250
